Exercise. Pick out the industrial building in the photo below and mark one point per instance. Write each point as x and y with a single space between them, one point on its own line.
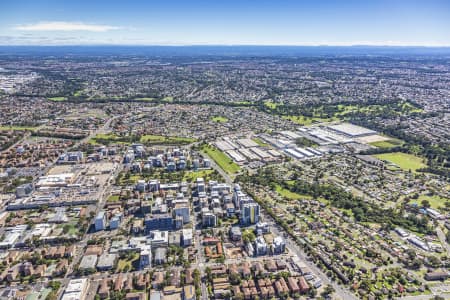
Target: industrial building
351 130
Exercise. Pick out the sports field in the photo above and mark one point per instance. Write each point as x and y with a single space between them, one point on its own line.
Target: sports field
403 160
387 143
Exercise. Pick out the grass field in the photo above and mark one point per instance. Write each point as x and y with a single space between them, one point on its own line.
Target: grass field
435 201
270 104
302 120
241 102
71 229
57 99
387 144
219 119
193 175
168 99
403 160
288 194
165 139
113 198
145 99
221 159
127 263
77 93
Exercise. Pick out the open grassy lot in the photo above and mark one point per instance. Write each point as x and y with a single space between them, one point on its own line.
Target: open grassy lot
57 99
168 99
18 128
225 162
193 175
303 120
107 138
288 194
113 198
219 119
128 263
403 160
270 104
241 103
148 138
145 99
435 201
69 228
387 144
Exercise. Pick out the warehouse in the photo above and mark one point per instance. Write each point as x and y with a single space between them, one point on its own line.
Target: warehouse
231 143
224 146
351 130
304 152
247 153
290 135
247 143
236 156
274 153
261 153
294 153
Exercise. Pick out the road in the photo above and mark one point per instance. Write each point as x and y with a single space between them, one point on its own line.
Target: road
340 291
424 297
442 237
224 174
102 198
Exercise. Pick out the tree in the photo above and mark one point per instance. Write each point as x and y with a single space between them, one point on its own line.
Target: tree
328 290
426 203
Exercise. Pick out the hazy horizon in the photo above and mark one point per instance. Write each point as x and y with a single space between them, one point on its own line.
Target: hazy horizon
176 22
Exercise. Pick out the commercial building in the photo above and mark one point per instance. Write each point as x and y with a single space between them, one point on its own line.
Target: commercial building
106 261
187 237
88 262
76 289
159 239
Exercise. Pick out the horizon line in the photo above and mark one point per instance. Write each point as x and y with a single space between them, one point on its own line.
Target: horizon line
225 45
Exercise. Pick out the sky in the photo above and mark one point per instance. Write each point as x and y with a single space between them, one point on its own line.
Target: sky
225 22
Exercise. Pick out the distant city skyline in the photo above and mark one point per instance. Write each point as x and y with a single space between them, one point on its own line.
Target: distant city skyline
245 22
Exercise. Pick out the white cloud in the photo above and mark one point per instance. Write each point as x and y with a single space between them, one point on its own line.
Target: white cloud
65 26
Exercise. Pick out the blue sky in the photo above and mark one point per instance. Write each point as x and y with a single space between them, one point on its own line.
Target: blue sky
231 22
